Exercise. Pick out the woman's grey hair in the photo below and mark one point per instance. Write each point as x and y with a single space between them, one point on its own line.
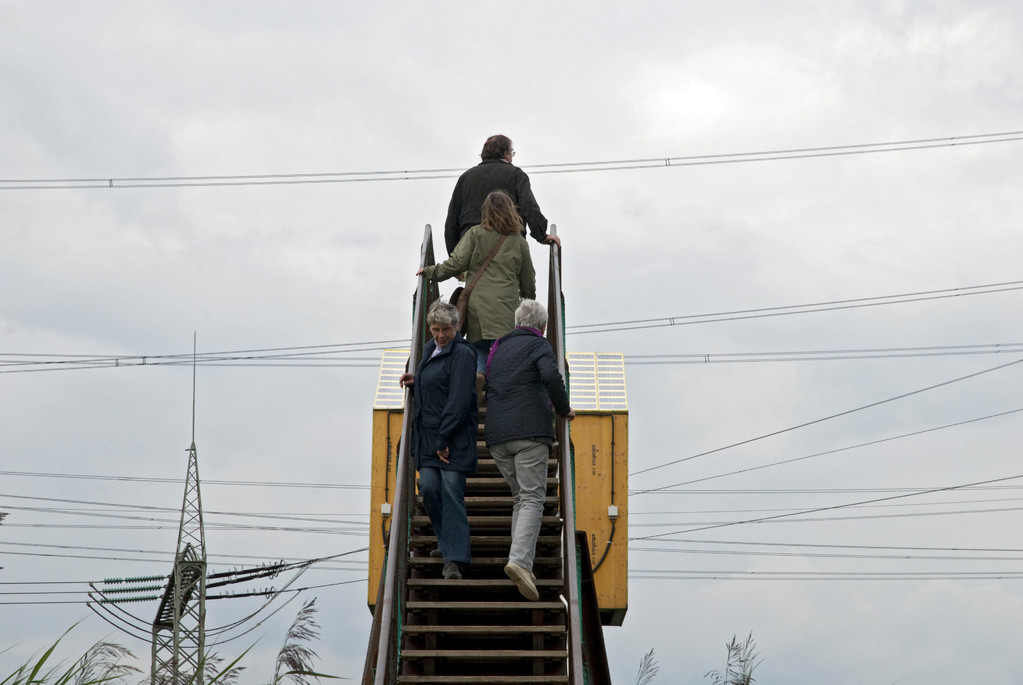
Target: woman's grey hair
531 314
442 313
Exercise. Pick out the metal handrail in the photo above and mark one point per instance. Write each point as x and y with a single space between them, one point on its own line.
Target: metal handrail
572 591
381 666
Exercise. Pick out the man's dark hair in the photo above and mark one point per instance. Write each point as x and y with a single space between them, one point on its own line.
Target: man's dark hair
496 147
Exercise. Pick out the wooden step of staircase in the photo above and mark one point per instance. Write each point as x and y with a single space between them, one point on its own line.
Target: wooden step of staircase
487 680
479 484
477 503
466 584
489 565
484 630
491 522
488 467
483 544
480 629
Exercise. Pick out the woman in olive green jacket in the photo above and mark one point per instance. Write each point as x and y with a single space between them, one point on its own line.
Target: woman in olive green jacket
508 278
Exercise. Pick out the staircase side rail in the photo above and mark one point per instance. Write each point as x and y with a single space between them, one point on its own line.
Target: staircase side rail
381 666
594 650
572 590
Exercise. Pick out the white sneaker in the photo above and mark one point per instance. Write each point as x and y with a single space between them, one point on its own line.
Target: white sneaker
523 579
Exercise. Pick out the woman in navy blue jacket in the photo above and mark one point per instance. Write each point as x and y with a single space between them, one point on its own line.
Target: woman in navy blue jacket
443 438
523 386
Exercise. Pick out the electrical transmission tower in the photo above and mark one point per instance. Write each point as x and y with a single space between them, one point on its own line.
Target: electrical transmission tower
178 633
179 629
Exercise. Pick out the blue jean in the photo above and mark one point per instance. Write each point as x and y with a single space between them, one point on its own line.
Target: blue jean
482 348
443 494
523 463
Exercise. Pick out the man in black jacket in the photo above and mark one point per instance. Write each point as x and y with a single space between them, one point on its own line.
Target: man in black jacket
523 384
495 172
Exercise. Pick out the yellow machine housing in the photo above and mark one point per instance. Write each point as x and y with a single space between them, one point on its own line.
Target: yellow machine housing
600 438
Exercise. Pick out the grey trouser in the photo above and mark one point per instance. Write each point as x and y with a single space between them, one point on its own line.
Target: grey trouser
523 463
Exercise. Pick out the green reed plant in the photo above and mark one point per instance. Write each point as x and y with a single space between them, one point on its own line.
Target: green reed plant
105 662
648 668
742 659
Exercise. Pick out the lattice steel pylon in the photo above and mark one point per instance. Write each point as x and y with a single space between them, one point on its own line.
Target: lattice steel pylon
179 629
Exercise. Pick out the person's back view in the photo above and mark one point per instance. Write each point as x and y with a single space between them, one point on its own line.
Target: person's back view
495 172
507 278
523 386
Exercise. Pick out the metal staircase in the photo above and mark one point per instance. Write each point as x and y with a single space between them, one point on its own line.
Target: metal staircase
480 629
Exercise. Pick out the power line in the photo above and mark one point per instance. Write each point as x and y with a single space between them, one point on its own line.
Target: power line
332 530
221 558
788 310
108 514
29 364
107 556
731 491
805 545
318 356
815 510
664 490
148 507
854 517
221 527
824 355
100 557
361 525
900 505
178 481
334 567
673 575
710 524
304 355
260 593
847 552
816 421
634 525
803 576
554 168
896 556
834 451
805 491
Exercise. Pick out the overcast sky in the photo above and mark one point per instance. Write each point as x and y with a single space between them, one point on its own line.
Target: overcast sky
836 322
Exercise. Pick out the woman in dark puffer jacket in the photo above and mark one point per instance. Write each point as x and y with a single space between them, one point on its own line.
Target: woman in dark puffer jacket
523 384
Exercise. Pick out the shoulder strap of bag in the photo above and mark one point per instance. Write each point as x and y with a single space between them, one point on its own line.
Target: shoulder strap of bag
483 266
